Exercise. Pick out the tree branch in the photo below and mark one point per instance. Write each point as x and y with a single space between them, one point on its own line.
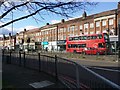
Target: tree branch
4 14
22 17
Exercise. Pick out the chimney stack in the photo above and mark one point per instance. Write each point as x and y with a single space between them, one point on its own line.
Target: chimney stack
62 20
47 24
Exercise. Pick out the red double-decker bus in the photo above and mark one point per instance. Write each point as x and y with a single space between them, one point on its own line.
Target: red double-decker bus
99 43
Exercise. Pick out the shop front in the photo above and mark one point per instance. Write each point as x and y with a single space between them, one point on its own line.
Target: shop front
61 44
52 46
114 43
44 45
38 46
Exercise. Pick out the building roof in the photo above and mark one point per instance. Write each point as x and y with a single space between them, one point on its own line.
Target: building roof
75 20
33 30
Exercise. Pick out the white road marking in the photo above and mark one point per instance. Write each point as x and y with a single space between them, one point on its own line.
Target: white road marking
106 69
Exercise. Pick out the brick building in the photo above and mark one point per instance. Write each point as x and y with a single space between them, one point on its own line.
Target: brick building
53 36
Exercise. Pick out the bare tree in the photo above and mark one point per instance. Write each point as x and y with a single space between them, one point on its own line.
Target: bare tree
63 8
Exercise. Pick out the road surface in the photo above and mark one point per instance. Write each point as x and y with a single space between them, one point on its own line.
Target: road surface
0 69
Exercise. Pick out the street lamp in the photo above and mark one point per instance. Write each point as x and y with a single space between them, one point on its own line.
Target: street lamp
23 37
57 37
119 40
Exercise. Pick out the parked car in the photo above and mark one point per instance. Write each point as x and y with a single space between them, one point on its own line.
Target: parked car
93 51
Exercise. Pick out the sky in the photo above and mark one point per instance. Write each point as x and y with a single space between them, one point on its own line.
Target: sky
30 23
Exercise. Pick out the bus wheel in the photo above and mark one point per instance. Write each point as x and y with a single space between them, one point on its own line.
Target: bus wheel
98 53
74 51
83 53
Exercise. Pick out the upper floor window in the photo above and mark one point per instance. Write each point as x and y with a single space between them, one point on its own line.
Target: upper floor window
111 22
72 27
68 28
46 32
64 29
61 30
97 23
80 27
40 33
104 23
91 25
86 26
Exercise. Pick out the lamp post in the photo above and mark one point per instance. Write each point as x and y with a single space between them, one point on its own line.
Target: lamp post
10 38
12 24
119 40
3 41
24 37
57 37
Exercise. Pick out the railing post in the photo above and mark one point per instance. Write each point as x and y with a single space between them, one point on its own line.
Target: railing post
24 60
10 57
77 76
3 55
56 69
19 58
39 62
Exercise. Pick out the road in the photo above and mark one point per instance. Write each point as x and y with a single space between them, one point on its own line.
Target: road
0 69
108 69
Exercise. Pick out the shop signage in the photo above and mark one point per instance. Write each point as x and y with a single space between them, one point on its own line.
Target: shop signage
44 43
61 42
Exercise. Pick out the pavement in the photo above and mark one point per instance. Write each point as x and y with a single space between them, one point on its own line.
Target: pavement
20 77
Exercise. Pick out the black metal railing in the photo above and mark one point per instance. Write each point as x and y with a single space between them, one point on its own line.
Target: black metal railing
65 70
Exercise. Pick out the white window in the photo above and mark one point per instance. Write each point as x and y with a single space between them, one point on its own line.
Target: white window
80 27
61 30
86 26
72 28
64 29
40 33
111 22
47 32
97 23
91 32
86 33
47 38
68 29
38 39
76 27
91 25
104 23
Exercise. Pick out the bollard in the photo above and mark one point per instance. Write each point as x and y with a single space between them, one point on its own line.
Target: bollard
7 59
39 62
2 55
24 60
10 58
56 68
19 58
